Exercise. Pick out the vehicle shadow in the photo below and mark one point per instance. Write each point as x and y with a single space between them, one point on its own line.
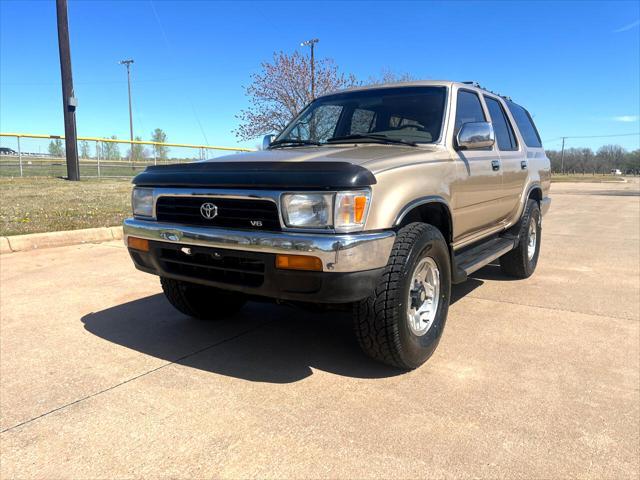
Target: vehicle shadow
264 342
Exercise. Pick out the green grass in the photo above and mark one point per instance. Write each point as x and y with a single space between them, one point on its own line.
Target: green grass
56 167
587 178
31 205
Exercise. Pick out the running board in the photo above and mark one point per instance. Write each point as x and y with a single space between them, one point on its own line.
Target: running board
477 257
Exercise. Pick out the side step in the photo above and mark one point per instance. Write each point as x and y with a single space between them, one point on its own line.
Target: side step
475 258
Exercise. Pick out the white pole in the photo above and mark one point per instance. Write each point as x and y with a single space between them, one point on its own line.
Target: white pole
98 157
19 155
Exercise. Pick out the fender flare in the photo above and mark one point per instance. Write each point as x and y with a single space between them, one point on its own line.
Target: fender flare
430 199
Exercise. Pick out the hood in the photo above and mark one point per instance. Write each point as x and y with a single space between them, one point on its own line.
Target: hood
321 168
373 157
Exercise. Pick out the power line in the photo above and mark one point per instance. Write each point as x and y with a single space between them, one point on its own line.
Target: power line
99 82
170 52
592 136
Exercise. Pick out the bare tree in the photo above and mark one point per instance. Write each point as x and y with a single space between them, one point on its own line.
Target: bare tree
389 76
583 160
611 156
282 89
85 151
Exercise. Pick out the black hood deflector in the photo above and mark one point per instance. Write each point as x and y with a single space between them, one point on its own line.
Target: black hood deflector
277 175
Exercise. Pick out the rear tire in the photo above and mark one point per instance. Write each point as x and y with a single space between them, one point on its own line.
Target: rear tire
388 324
201 302
522 261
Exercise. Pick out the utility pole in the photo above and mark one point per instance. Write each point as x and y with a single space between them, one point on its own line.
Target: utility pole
127 63
562 156
311 43
69 102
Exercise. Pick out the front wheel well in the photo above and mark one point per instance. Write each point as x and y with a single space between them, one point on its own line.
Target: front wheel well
435 213
536 194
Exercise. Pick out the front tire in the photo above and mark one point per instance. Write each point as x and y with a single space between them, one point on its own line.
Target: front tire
521 262
201 302
401 322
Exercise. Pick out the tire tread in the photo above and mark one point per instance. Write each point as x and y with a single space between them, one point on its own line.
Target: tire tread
376 317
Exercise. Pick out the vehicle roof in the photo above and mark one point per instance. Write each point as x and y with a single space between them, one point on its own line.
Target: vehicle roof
418 83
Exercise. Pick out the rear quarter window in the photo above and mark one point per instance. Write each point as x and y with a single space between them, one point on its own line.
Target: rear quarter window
525 125
501 125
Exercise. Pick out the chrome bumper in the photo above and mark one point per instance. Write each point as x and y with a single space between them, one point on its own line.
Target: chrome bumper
352 252
545 203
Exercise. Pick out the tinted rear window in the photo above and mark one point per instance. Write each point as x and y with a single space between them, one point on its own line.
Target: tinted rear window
525 125
504 133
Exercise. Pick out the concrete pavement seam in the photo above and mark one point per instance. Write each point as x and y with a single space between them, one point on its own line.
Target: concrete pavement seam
124 382
551 308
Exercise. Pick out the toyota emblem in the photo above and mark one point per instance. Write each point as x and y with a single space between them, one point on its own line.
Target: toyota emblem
208 211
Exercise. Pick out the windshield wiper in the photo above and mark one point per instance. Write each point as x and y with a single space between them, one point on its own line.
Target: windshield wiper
293 142
372 136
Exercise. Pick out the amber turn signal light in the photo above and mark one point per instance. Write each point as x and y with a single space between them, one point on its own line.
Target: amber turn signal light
298 262
138 244
360 203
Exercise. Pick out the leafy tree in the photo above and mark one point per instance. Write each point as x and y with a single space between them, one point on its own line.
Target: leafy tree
282 88
56 148
110 150
85 151
160 151
137 152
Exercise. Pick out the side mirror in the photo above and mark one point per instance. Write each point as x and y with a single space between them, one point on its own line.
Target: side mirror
475 135
266 141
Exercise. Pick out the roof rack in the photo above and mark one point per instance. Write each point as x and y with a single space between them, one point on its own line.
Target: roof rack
477 85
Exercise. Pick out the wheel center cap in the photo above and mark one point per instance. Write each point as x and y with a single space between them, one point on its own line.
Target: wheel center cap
418 296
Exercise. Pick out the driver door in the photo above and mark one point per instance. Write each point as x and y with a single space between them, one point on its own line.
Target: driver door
477 190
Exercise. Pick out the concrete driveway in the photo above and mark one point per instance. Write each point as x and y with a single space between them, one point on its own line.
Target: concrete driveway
101 378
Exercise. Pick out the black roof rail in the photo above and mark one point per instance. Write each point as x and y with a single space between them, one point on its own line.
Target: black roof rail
477 85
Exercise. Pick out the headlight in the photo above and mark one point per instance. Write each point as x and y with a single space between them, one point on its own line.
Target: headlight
307 210
351 210
344 211
142 202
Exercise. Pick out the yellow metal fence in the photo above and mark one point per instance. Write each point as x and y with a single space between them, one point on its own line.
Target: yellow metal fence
25 154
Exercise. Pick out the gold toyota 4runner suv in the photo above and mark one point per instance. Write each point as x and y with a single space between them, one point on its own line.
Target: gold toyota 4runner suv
376 198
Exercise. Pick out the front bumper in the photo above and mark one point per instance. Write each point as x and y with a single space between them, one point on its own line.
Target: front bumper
338 252
253 273
244 261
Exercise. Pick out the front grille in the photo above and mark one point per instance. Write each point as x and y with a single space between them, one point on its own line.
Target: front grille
224 266
231 212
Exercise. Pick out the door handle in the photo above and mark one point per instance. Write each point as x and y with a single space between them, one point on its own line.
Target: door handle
495 165
523 164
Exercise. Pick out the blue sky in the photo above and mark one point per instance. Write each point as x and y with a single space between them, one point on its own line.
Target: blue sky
574 65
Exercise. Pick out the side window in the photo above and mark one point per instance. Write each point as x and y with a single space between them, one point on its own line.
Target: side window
468 110
362 121
525 125
504 132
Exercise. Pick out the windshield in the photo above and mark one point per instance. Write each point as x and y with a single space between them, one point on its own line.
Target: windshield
401 114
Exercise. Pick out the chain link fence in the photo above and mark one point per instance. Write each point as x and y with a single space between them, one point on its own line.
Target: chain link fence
25 155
